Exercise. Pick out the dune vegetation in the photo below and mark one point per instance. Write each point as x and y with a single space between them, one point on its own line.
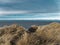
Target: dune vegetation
36 35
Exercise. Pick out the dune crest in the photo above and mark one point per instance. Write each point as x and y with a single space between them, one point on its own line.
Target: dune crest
35 35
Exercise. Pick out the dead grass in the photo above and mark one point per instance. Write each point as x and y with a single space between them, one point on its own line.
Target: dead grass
36 35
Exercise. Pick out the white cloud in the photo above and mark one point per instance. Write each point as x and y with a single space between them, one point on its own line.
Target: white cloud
13 12
37 16
28 14
2 11
29 18
48 15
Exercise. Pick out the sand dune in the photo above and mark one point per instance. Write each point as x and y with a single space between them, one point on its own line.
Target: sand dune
35 35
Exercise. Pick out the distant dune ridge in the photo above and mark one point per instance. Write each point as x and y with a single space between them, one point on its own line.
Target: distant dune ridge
36 35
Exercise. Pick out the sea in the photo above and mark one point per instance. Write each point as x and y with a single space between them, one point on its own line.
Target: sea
27 23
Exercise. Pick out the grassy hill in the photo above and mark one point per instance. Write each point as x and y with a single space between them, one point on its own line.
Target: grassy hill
35 35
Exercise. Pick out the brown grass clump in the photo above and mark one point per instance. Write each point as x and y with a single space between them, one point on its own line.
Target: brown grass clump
35 35
10 35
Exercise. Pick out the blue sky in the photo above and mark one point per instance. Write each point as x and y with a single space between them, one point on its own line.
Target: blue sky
29 9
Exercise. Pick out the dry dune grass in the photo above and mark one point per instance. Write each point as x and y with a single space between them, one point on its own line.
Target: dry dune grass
35 35
10 34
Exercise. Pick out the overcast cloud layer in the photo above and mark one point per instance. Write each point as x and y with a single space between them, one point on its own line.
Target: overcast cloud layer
31 5
23 9
32 16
